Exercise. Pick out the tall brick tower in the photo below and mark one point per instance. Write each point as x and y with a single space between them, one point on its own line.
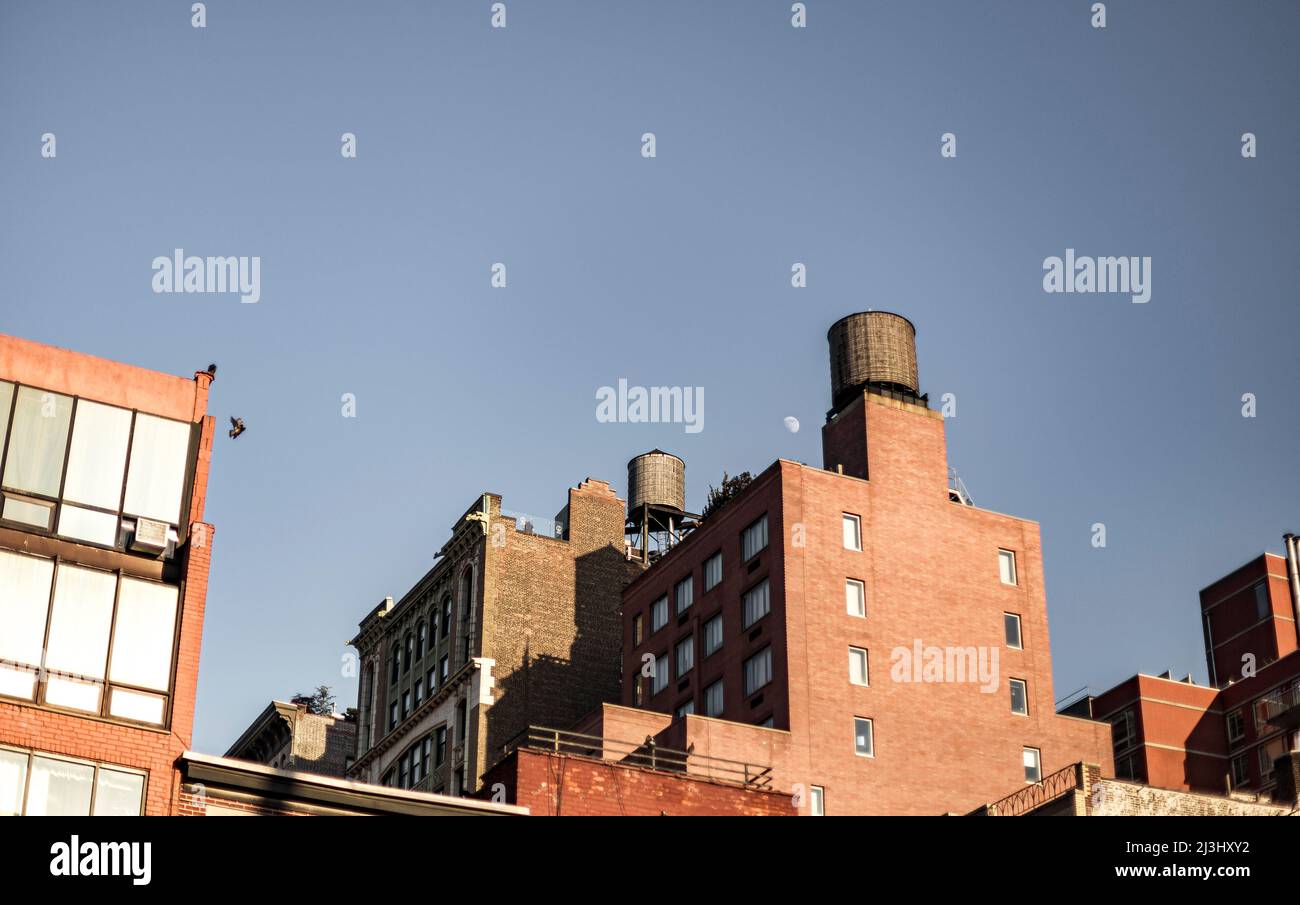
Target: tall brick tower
890 637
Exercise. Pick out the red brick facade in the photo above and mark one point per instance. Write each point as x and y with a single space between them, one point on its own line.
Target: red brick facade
930 568
554 785
108 741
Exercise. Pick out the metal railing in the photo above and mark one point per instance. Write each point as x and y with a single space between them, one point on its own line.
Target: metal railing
1048 789
646 754
1278 709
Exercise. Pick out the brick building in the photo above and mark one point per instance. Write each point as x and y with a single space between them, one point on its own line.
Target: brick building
1081 790
104 559
891 636
289 736
1235 733
512 627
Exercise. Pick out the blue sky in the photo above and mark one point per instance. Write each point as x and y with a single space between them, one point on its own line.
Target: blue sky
774 145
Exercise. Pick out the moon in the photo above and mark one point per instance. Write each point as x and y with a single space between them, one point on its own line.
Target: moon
792 424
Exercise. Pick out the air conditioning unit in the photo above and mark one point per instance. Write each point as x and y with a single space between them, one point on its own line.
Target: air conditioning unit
150 536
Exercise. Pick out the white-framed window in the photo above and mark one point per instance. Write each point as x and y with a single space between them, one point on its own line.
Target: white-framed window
658 614
1240 771
1033 761
713 699
712 571
858 674
753 539
852 532
864 737
817 801
855 598
713 635
1019 697
1007 566
685 655
1011 628
755 604
38 784
68 611
659 681
758 671
1236 726
684 594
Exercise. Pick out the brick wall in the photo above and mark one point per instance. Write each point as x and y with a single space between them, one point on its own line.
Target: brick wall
559 785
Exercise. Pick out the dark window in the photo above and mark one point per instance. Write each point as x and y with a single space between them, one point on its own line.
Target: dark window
1011 626
395 661
1019 697
440 745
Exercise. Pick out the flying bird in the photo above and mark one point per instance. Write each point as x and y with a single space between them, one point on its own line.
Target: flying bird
236 427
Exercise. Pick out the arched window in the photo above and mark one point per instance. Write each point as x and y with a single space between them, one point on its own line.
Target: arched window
446 616
419 642
466 595
433 628
395 663
410 651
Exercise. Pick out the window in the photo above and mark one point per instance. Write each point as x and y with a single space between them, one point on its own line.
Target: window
79 622
24 609
39 785
638 691
1240 771
1033 762
78 637
395 663
96 463
758 671
755 604
392 716
855 598
410 653
684 594
636 630
858 666
433 629
419 642
418 688
753 539
1268 755
712 571
852 532
658 614
406 704
430 680
446 616
684 709
713 699
1129 768
462 721
864 741
1263 606
439 745
659 681
817 801
156 476
442 670
1123 731
685 655
1019 697
1011 625
414 756
713 635
1007 566
37 442
1236 726
403 775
